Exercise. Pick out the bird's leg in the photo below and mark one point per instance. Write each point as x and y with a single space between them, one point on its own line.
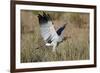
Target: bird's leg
54 46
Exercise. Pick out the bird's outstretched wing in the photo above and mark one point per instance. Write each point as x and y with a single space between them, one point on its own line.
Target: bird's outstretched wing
60 30
47 29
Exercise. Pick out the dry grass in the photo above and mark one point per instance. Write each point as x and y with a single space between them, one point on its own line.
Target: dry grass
75 47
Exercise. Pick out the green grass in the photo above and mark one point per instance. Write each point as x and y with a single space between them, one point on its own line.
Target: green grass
75 47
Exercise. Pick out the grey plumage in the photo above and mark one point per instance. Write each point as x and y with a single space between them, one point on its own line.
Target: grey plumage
48 32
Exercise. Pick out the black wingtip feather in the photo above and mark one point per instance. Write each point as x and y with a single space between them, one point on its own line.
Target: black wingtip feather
59 31
43 18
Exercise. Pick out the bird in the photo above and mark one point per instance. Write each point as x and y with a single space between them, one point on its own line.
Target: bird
50 36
